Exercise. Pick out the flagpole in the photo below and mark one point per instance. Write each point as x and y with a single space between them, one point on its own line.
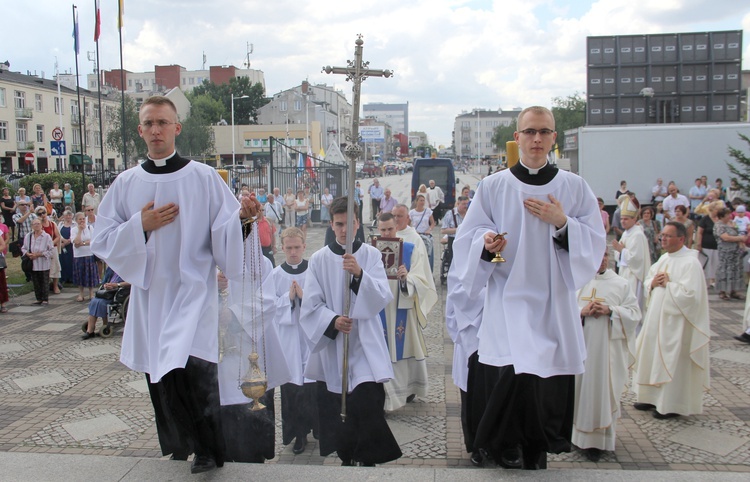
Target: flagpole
122 89
81 125
99 84
60 160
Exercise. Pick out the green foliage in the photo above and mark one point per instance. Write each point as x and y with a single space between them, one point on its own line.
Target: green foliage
504 134
135 144
207 108
77 183
742 169
195 140
245 110
570 113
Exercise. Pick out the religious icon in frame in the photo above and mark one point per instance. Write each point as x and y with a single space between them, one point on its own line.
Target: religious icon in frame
391 251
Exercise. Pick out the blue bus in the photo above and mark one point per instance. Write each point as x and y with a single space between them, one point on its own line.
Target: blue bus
439 170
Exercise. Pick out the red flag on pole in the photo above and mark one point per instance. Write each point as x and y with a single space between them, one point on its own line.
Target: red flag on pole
98 21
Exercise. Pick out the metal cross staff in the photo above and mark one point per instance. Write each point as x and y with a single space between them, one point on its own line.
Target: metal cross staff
357 71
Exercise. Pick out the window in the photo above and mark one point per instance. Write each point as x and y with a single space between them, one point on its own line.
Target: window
283 106
97 139
96 112
297 105
21 134
2 97
59 105
20 99
38 102
3 131
191 81
39 133
74 108
184 80
77 138
130 82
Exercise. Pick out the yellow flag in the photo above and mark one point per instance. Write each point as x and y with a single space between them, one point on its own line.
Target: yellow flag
120 13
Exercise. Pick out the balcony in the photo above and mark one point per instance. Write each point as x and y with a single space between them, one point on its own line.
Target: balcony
465 128
25 145
466 139
75 119
24 114
75 148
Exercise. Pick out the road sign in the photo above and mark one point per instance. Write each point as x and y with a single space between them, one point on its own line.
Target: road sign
57 134
57 148
29 158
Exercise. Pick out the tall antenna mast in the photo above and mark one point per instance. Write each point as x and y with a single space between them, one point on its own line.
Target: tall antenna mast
247 58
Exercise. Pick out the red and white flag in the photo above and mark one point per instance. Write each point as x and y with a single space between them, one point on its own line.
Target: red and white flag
98 22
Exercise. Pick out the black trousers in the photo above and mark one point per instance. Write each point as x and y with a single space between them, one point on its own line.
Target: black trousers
40 279
365 436
186 407
249 436
299 411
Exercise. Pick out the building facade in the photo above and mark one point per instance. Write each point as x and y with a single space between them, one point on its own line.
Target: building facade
473 132
31 110
395 115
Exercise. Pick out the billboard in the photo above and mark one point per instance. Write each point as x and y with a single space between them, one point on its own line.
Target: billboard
372 133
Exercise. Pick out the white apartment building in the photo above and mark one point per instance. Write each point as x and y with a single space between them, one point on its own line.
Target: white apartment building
473 131
29 112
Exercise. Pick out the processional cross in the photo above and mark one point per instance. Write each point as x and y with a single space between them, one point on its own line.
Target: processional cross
357 72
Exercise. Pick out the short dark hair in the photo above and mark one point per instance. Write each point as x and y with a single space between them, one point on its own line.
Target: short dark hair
679 227
723 212
385 217
681 208
340 205
462 198
649 209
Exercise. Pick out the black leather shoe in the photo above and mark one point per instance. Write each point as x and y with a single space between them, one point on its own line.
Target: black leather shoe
476 458
510 459
593 454
644 407
744 338
664 416
410 398
202 463
299 444
533 459
178 457
347 463
88 336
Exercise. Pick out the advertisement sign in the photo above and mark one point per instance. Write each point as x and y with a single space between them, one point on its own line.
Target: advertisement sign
372 133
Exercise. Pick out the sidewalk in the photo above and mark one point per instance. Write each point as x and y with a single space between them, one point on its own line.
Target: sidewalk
62 395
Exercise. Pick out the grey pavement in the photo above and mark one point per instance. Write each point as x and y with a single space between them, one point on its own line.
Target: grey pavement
70 410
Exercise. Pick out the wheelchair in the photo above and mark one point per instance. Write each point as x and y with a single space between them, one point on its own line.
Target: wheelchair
117 311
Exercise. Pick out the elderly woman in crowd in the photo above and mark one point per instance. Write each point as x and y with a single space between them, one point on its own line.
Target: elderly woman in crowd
21 197
706 242
50 228
98 306
423 222
8 205
38 198
729 278
85 271
301 204
680 215
69 197
66 248
38 246
651 228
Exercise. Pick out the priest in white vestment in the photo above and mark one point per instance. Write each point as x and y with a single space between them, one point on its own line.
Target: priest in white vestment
164 226
672 361
405 317
631 251
530 336
364 437
610 314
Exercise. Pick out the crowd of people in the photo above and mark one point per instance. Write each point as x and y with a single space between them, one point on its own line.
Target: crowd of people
541 361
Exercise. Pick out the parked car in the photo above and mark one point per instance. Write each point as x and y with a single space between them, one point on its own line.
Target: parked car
370 169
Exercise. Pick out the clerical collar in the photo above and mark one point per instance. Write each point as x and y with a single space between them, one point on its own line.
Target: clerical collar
295 268
535 177
169 165
341 250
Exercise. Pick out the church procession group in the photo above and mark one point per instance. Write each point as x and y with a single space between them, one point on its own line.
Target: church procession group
544 333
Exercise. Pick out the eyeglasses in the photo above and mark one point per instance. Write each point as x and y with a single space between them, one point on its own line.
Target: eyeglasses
534 132
161 124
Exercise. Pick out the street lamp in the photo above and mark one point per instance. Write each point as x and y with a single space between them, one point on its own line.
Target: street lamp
242 97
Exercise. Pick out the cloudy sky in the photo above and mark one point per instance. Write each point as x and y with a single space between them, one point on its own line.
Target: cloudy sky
448 56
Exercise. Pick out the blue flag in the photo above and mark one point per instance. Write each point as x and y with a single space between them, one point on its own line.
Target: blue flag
76 43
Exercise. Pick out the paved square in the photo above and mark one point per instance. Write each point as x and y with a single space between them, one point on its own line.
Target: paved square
96 350
140 386
733 356
95 427
11 348
41 380
54 327
708 440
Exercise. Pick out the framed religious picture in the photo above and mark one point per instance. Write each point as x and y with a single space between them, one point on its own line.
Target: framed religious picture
392 254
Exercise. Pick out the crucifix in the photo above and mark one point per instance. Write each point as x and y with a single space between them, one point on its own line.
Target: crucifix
357 71
593 297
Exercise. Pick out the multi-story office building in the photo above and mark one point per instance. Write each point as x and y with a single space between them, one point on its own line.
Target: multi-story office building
395 115
30 110
473 132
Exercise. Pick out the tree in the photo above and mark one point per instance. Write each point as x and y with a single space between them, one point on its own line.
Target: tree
504 134
742 171
196 138
245 110
136 146
570 113
206 108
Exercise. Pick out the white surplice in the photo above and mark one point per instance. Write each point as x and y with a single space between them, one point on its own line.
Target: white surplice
672 361
610 344
369 360
634 260
531 318
463 315
173 311
292 337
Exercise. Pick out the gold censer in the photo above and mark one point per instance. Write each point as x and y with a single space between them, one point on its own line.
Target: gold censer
254 383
